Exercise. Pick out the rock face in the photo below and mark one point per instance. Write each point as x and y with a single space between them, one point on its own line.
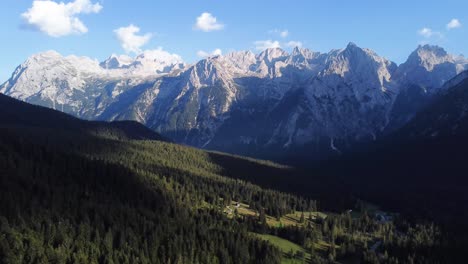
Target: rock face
261 105
445 117
82 86
421 78
430 67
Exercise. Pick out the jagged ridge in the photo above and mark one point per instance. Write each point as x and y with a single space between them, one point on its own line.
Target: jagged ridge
242 102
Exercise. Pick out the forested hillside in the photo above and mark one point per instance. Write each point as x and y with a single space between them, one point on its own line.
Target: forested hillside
419 171
73 191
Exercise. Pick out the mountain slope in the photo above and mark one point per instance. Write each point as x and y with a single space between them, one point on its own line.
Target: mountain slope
16 113
273 104
269 105
430 67
82 86
421 166
68 196
446 116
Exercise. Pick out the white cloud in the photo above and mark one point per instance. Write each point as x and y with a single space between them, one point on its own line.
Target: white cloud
129 40
217 52
293 44
162 55
454 23
429 33
207 22
266 44
204 54
59 19
425 32
282 33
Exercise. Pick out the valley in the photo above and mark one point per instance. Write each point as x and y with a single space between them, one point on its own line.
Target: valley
233 132
98 196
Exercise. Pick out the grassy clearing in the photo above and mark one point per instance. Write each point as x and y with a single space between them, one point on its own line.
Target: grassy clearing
283 244
297 216
286 247
293 219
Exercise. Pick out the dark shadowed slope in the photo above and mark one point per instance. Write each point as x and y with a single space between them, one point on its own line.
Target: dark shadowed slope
17 113
71 195
447 116
74 191
422 167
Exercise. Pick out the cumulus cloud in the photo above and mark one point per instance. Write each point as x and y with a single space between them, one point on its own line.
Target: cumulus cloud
425 32
429 33
266 44
162 55
59 19
204 54
207 22
293 44
130 40
454 23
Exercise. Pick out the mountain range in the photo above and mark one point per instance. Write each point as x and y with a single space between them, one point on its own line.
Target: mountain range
69 187
74 190
268 105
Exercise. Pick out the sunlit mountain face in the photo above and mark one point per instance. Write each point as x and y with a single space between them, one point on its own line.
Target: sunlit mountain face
318 104
225 132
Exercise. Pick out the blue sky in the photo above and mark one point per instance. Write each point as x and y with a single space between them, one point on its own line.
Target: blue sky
391 28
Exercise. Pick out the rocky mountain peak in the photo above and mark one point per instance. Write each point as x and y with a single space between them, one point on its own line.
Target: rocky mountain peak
352 45
304 53
359 64
43 58
428 56
297 51
241 56
157 61
344 95
434 49
150 62
117 62
430 67
46 54
272 54
205 72
354 52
